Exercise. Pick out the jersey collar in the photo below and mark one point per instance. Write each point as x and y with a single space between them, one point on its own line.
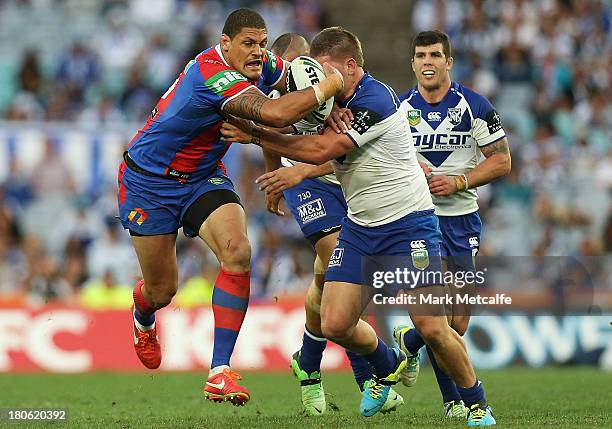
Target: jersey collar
220 53
453 89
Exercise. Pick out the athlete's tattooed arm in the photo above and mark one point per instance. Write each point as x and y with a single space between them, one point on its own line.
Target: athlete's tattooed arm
497 164
281 112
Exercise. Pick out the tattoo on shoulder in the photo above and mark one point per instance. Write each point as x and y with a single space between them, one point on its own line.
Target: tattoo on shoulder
248 106
497 147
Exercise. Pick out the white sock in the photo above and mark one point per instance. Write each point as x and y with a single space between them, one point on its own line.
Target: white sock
217 370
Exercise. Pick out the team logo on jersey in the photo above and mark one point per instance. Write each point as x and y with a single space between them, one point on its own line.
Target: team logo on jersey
222 81
419 254
364 119
493 122
335 260
138 215
454 115
271 59
414 117
311 210
216 181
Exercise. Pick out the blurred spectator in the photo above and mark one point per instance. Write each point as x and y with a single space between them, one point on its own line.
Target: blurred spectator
203 16
45 284
161 62
111 253
105 112
105 293
30 74
119 43
278 15
309 18
73 267
51 176
151 12
78 71
138 98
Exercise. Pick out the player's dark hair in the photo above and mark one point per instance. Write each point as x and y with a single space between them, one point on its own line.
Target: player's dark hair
336 42
282 44
431 37
242 18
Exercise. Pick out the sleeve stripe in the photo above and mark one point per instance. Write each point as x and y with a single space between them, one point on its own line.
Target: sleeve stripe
503 136
353 140
240 93
282 73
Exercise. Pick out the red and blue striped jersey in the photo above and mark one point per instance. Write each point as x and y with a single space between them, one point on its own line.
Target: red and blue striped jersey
181 137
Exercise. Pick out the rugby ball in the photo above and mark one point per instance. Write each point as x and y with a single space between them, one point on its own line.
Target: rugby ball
304 72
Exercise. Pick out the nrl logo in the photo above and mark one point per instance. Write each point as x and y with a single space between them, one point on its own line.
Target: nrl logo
420 259
414 117
454 115
419 254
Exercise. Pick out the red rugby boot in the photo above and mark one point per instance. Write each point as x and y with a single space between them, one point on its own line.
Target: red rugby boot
147 346
223 387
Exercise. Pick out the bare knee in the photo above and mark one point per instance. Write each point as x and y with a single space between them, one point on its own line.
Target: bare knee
433 333
236 254
336 328
460 325
161 293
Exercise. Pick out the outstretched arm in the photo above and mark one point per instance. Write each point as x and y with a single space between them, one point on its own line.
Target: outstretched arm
289 108
312 149
287 177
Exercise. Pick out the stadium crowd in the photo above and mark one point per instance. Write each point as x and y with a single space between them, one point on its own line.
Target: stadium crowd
545 64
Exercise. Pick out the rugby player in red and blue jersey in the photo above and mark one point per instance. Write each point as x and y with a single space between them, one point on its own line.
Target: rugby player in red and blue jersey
172 177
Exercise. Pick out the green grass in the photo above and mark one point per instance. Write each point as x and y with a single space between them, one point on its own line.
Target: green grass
539 398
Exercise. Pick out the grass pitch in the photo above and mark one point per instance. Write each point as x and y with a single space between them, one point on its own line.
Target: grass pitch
568 397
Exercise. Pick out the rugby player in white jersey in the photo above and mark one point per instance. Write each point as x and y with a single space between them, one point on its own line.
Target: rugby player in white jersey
451 126
314 197
390 214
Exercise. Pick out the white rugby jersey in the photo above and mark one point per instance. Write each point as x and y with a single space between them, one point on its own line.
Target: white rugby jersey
448 135
381 179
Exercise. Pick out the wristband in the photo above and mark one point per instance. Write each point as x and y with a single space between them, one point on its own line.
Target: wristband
461 182
328 87
319 94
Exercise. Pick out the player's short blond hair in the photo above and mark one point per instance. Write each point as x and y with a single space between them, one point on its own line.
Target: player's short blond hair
337 42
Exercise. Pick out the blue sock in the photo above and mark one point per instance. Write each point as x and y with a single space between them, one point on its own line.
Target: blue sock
471 395
361 368
413 341
225 339
448 388
383 359
143 319
230 300
311 352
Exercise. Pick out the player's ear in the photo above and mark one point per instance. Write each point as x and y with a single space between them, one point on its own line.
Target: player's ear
225 42
351 66
412 64
449 63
